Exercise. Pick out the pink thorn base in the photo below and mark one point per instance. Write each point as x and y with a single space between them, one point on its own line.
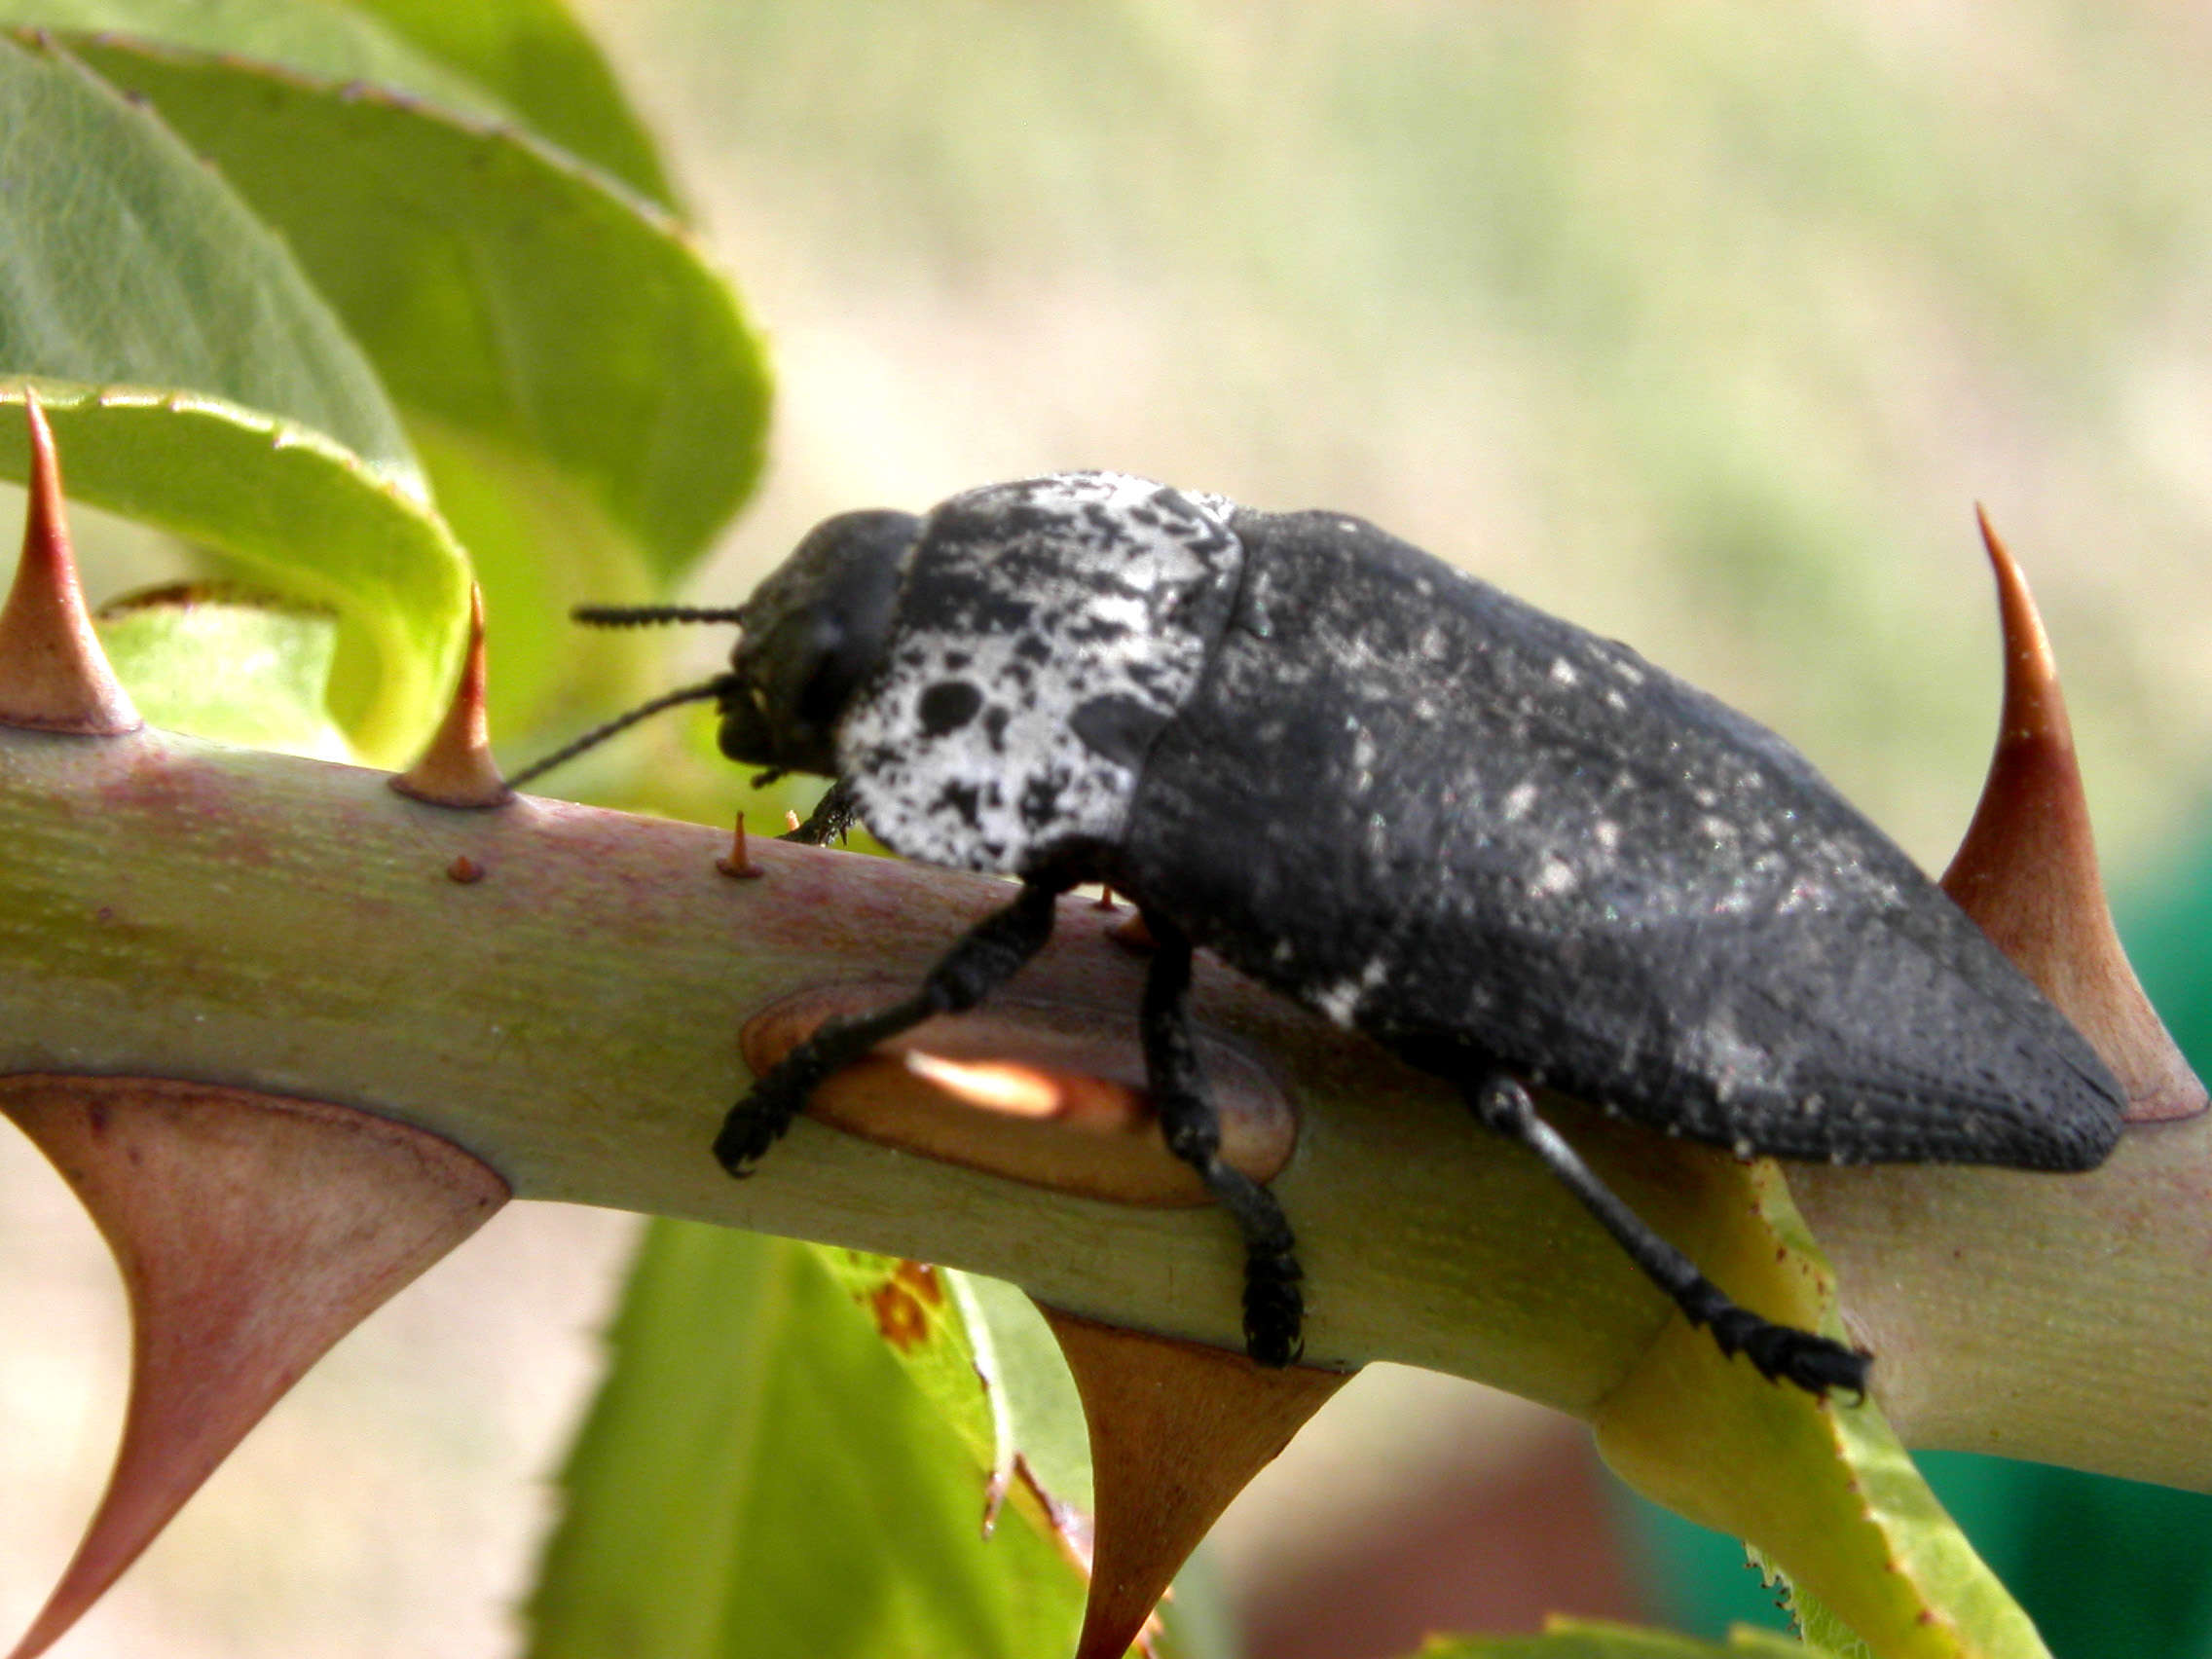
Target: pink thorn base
457 769
251 1232
53 676
2027 870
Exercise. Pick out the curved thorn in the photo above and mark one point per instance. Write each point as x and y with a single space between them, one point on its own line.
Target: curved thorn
457 769
1177 1430
2027 870
251 1233
53 675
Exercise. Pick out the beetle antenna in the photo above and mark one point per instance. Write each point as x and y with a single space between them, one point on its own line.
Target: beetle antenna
621 723
644 616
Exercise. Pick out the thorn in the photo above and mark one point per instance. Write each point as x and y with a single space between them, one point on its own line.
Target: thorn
790 821
251 1233
53 675
457 769
1177 1430
1105 900
466 871
737 864
1049 1095
2027 870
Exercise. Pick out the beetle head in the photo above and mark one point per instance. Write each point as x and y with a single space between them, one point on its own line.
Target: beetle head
814 633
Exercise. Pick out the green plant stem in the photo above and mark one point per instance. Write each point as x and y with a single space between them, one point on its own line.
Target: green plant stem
176 908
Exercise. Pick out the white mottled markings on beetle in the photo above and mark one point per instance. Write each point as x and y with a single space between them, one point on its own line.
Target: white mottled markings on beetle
1556 877
1339 1002
1044 634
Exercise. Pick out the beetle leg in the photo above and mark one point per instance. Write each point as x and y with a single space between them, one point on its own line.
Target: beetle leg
1813 1363
990 954
832 820
1273 1308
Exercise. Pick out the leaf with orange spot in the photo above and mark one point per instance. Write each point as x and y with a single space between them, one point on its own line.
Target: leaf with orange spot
761 1477
983 1355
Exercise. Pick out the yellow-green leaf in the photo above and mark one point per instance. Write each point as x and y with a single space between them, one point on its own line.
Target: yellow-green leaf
1576 1639
291 508
759 1479
224 661
1823 1488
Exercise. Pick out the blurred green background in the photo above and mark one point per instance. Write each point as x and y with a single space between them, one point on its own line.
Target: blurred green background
1704 325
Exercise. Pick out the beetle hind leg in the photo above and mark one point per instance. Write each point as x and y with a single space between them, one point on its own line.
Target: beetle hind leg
1779 1352
986 958
1275 1308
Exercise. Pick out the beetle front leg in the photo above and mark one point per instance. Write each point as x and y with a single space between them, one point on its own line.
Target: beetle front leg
832 819
990 954
1813 1363
1274 1308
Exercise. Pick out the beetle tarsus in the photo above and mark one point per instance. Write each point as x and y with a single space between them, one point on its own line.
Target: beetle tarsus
1274 1308
989 954
1779 1352
1783 1353
758 1121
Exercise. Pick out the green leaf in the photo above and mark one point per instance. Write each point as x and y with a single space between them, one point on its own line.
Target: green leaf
226 662
124 260
912 1307
759 1478
1017 1351
231 408
983 1355
333 41
1575 1639
292 509
523 61
547 70
588 397
1824 1489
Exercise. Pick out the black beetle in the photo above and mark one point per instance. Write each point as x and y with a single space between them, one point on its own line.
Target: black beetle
1509 850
